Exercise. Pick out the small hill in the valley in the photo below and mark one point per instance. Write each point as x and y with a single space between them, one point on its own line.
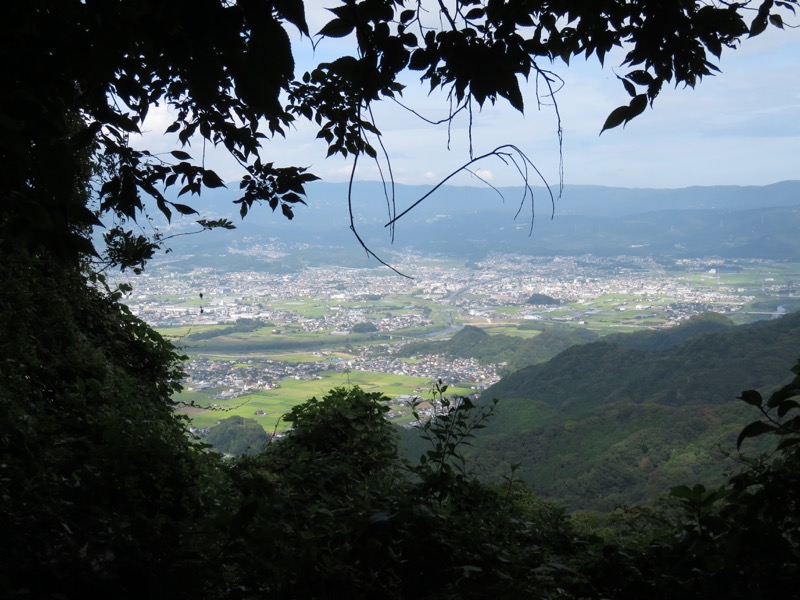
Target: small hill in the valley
237 435
542 300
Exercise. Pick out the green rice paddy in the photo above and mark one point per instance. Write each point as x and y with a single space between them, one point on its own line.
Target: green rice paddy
268 406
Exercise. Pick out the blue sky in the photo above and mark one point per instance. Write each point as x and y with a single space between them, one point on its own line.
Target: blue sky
740 127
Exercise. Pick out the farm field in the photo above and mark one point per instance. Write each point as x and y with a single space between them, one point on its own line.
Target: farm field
259 343
268 406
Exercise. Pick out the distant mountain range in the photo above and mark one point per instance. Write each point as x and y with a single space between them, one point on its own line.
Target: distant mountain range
625 418
725 221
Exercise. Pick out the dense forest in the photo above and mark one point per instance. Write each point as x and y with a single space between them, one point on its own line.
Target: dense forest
625 418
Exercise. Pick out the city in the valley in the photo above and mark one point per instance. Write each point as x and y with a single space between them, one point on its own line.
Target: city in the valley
260 341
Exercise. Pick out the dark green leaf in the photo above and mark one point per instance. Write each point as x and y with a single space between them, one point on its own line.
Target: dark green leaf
788 442
787 405
686 493
418 60
345 67
215 223
787 391
293 198
640 77
407 15
755 429
758 26
751 397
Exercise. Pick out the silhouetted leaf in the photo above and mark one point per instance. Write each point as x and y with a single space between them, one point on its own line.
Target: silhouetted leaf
787 405
618 116
753 430
212 180
337 28
294 12
752 397
184 209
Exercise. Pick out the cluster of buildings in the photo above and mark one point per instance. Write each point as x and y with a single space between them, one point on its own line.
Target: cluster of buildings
237 377
232 378
334 300
454 370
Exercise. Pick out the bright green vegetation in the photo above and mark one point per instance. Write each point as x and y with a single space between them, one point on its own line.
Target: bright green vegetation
516 345
560 449
268 406
510 329
365 327
266 342
652 300
242 327
338 485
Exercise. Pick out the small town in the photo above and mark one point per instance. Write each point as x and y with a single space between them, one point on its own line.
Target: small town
629 291
166 298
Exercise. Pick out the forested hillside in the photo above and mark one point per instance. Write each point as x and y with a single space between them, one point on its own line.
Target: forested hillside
602 424
473 342
661 339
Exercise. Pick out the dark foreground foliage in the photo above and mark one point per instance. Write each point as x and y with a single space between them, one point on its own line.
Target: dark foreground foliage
741 540
100 489
104 494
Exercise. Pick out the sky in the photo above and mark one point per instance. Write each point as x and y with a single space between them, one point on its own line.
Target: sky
741 127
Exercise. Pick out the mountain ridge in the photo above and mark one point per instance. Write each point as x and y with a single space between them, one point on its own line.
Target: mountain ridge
727 221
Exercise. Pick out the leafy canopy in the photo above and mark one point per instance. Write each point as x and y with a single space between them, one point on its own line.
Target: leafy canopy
83 76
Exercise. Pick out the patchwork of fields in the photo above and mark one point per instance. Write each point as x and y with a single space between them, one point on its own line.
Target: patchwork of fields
260 343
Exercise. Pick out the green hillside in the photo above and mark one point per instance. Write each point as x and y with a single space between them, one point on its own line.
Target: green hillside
601 424
708 322
517 353
237 435
473 342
